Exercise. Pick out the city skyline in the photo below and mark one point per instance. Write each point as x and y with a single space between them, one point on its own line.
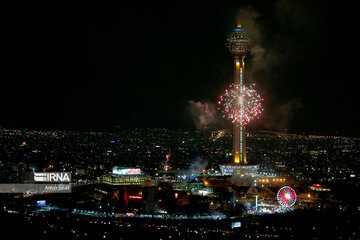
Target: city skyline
302 188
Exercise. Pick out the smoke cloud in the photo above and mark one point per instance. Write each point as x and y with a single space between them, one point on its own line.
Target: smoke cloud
198 165
204 115
265 69
283 115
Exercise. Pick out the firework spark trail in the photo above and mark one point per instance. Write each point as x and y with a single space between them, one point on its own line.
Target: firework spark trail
240 104
220 134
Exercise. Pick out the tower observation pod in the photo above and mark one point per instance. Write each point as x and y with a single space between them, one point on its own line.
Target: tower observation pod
239 45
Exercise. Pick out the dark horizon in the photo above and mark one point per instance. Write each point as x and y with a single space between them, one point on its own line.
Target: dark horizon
83 67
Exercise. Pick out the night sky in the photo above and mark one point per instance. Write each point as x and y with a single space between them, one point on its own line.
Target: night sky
86 66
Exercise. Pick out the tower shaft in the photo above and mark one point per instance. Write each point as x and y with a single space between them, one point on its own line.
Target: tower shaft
239 133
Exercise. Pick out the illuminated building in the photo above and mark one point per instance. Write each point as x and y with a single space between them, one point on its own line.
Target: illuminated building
270 181
194 187
320 188
125 176
239 44
245 170
188 186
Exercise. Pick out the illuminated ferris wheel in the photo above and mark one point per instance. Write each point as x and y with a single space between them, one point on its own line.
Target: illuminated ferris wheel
286 196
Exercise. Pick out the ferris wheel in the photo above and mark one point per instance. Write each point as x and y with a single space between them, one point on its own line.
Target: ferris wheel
286 196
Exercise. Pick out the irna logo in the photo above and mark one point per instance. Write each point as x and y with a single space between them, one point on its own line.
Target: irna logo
52 176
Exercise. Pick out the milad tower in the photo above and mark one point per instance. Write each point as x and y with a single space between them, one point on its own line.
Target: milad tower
239 45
